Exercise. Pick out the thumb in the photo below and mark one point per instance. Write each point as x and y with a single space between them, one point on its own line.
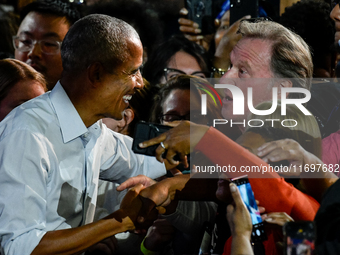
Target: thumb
235 194
147 206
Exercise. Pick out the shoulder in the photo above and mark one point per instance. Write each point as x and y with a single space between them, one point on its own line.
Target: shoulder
34 115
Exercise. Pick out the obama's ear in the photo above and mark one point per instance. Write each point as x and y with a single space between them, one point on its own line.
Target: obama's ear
95 71
129 115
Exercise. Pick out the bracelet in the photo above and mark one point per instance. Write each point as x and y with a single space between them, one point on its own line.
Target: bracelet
145 251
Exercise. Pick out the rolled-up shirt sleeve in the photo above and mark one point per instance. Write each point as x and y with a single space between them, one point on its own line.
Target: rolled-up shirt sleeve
125 163
23 193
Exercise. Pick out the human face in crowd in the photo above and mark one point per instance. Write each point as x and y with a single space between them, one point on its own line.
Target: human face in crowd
249 140
250 58
335 15
119 86
177 107
43 27
184 62
18 94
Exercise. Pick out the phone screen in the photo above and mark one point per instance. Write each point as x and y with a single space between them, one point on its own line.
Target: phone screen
247 194
249 200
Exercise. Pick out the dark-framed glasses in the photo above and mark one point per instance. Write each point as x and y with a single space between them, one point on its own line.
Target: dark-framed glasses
172 72
26 44
173 117
194 116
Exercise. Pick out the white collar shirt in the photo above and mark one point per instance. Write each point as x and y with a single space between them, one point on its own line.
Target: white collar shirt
50 166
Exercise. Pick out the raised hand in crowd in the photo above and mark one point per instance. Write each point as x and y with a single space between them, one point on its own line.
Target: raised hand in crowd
240 223
193 32
225 45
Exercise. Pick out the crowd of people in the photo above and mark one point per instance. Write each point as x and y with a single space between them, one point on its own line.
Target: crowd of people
76 79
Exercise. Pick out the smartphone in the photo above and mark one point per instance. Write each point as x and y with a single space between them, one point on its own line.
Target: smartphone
201 12
145 131
205 247
258 234
241 8
299 238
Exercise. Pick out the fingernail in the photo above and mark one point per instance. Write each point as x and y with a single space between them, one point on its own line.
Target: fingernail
199 37
268 219
232 187
195 25
261 147
247 16
141 145
198 31
140 219
183 11
259 153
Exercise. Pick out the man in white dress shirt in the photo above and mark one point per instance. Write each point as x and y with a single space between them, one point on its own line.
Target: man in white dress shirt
54 148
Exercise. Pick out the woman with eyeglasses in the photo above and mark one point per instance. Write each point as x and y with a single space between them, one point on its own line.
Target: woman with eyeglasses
176 56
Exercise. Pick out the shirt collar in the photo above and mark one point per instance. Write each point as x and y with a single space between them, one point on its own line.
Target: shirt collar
71 125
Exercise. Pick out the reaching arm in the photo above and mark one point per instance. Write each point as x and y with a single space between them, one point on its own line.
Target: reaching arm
315 182
221 150
77 240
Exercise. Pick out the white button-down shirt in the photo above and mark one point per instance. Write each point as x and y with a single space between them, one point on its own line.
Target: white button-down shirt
50 165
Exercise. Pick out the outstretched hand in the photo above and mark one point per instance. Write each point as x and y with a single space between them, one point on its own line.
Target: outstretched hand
133 181
278 218
287 149
179 141
141 210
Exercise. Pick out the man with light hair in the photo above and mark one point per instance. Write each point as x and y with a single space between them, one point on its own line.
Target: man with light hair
268 55
54 147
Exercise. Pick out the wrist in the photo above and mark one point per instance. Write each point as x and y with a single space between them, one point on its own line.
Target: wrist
245 236
125 222
145 250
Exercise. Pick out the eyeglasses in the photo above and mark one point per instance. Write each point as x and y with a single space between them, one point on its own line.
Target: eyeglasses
173 117
195 117
172 72
26 44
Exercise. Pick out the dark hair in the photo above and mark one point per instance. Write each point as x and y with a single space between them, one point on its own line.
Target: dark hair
60 8
8 27
143 19
310 19
96 38
160 57
12 71
141 103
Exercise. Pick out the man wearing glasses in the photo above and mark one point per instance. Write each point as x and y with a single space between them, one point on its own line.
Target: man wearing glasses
43 27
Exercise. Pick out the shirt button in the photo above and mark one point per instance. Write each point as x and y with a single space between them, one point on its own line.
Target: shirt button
85 135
